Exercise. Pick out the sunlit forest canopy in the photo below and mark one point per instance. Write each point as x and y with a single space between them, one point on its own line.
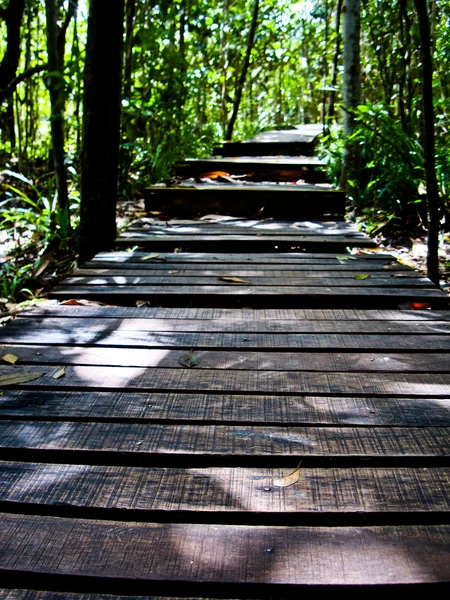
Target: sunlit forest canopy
182 65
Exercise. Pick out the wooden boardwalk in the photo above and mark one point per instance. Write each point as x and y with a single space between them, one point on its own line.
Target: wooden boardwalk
148 466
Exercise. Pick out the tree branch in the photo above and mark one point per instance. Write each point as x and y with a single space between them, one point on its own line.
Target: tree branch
5 93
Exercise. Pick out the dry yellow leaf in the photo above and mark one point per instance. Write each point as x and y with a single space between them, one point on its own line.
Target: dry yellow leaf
59 373
288 480
232 279
10 358
16 378
150 256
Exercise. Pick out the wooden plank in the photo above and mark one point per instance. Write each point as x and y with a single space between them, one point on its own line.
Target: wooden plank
280 201
230 289
215 442
224 326
106 333
223 554
263 258
345 270
16 594
241 229
260 169
148 312
241 242
235 271
227 490
223 408
231 360
175 278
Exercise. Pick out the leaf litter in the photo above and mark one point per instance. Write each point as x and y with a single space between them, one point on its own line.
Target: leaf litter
10 358
16 378
232 279
59 373
288 480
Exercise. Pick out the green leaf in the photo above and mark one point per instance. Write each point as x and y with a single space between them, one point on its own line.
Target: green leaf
361 276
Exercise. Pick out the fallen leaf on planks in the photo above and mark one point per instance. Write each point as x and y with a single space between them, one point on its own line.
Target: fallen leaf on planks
232 279
150 256
420 305
59 373
213 175
288 480
140 303
82 302
346 257
174 272
360 276
189 360
16 378
10 358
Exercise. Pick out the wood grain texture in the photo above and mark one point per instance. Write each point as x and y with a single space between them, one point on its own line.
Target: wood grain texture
230 408
333 490
245 314
224 325
175 278
106 334
263 382
203 553
226 440
231 359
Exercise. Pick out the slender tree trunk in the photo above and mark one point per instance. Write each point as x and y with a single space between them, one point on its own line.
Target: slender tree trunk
55 85
352 90
337 53
101 126
243 75
12 16
428 141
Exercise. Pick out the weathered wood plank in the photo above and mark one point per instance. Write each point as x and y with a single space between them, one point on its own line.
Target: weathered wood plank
225 359
231 490
92 405
241 242
224 554
16 594
371 281
63 291
148 312
149 440
262 258
161 271
108 334
224 326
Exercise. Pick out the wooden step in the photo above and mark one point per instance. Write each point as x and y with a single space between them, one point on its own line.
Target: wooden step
288 169
244 235
297 141
283 200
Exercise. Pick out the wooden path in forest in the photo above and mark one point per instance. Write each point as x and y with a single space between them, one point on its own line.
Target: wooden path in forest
148 467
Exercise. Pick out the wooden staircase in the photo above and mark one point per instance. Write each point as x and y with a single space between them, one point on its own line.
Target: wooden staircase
147 451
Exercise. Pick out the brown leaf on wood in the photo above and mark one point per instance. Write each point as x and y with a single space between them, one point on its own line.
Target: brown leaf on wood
232 279
288 480
16 378
59 373
10 358
82 302
213 175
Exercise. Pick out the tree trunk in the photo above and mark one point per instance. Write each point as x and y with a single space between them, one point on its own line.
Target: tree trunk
337 53
428 141
243 75
55 85
101 127
351 91
12 15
